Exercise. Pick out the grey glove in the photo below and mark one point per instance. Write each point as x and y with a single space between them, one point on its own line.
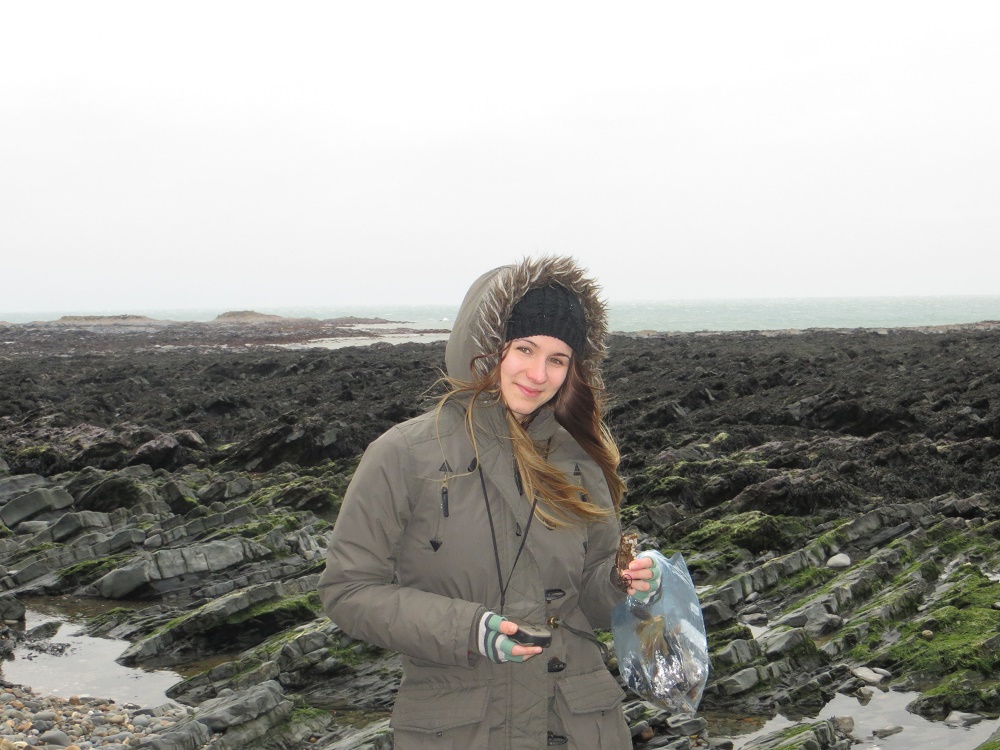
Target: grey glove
493 644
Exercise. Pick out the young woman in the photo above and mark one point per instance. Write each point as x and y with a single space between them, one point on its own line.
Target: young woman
491 517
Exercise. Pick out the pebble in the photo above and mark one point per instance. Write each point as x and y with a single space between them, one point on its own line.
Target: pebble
844 724
54 737
838 562
867 675
887 731
958 718
27 720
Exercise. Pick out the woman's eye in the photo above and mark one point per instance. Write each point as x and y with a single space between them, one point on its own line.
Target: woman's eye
558 361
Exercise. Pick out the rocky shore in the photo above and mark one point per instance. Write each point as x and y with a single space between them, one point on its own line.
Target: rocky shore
833 492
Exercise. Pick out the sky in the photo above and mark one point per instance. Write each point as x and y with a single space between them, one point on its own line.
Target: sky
252 155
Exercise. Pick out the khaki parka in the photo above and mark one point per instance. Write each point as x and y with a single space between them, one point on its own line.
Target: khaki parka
413 564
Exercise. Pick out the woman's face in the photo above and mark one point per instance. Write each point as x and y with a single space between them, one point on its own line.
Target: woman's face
532 371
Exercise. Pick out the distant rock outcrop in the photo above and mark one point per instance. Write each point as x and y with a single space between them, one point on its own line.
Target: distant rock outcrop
247 316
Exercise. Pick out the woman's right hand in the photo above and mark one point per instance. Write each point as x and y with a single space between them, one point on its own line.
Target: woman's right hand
643 575
494 643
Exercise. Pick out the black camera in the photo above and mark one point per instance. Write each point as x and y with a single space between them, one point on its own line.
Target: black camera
529 635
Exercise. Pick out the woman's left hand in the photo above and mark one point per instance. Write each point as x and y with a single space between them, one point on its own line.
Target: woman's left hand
643 575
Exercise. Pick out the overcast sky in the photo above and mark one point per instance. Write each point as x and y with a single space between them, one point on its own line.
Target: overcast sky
257 155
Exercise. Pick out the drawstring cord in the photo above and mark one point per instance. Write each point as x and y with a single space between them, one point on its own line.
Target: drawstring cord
496 548
602 647
605 655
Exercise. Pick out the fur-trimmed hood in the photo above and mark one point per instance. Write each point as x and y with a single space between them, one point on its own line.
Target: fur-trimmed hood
481 324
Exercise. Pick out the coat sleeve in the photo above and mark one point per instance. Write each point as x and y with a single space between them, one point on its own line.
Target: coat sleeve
358 588
598 595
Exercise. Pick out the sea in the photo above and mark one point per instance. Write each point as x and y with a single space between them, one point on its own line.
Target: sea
651 315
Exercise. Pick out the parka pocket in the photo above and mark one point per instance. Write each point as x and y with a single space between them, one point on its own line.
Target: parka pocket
440 717
589 707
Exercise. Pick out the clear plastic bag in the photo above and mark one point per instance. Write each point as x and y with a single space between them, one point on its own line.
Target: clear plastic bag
661 644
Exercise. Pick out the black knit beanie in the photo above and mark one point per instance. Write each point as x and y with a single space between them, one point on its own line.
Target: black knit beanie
549 311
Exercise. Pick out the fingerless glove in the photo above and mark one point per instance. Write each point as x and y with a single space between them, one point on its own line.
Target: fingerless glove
493 644
654 583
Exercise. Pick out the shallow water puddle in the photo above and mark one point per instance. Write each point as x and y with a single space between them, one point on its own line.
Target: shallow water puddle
389 338
86 666
884 709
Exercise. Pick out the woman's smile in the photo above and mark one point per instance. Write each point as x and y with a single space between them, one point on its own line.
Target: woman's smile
532 371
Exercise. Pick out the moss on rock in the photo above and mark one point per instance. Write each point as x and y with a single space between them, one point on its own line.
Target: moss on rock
88 571
965 627
320 495
753 531
281 613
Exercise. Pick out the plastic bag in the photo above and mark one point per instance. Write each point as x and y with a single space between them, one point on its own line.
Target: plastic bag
661 645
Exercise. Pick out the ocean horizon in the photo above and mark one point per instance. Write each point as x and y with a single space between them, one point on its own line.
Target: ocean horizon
690 315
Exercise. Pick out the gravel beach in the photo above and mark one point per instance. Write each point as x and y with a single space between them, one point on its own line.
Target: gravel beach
76 723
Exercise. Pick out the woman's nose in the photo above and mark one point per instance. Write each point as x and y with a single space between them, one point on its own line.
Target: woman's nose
537 372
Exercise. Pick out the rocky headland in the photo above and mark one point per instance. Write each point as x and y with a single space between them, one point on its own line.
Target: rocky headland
834 494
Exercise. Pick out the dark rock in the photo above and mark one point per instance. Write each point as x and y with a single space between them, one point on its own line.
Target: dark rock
164 565
221 713
741 682
190 439
11 487
72 524
123 489
664 515
33 503
716 612
967 507
11 609
819 735
305 443
160 452
375 736
188 736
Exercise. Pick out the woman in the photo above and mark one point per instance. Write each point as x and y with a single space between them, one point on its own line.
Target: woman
501 503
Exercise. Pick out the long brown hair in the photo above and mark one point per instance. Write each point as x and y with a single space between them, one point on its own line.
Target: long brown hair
578 407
